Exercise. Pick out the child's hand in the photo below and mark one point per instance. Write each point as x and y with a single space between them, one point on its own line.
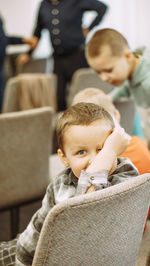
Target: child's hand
90 189
118 141
114 145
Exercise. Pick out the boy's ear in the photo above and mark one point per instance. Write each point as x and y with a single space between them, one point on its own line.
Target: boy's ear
62 157
128 54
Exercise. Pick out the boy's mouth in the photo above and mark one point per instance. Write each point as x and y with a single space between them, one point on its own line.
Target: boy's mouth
116 82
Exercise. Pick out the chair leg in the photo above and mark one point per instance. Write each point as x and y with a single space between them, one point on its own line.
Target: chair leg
14 212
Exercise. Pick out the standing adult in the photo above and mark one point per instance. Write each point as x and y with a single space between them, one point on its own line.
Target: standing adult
4 41
63 20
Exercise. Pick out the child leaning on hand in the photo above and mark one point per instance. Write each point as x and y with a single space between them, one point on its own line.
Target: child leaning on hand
89 146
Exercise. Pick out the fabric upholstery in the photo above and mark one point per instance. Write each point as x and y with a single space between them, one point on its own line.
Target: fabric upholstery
127 111
25 141
85 78
27 91
101 228
34 65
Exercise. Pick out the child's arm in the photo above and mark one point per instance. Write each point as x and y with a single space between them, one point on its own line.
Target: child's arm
115 144
96 175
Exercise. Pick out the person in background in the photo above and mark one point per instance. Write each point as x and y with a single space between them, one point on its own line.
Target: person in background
63 20
4 41
137 150
137 126
109 54
89 145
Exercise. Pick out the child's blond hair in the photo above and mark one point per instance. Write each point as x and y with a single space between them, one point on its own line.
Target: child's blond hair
81 114
96 96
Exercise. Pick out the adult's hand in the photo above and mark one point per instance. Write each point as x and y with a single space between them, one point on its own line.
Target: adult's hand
85 31
22 59
32 42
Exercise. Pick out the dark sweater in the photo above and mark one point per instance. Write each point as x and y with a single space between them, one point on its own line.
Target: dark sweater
4 41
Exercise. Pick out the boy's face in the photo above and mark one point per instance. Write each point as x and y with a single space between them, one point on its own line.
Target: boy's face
82 143
112 69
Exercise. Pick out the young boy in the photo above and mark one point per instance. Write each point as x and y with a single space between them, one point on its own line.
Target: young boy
109 54
89 145
137 150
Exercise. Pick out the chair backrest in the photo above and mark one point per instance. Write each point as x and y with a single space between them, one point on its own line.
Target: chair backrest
25 146
84 78
27 91
37 65
101 228
145 121
127 111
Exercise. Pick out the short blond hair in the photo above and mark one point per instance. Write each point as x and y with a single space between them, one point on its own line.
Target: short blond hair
106 37
96 96
86 94
81 114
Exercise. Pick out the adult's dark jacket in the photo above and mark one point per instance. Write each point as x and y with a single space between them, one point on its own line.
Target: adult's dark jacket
63 20
4 41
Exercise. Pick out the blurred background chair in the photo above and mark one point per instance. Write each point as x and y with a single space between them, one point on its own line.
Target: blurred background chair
27 91
99 228
127 111
145 121
25 141
38 65
86 78
35 65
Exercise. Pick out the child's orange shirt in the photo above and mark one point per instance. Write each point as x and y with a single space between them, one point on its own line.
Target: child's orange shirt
139 154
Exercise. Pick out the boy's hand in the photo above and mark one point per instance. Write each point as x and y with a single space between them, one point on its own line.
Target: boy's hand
118 141
114 145
90 189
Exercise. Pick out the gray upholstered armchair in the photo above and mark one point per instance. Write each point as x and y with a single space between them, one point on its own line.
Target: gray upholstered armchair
25 147
101 228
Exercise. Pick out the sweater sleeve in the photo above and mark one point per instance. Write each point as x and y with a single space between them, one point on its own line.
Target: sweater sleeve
98 179
125 170
14 40
39 26
94 5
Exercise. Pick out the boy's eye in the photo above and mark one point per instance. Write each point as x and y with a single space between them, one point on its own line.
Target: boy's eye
81 152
